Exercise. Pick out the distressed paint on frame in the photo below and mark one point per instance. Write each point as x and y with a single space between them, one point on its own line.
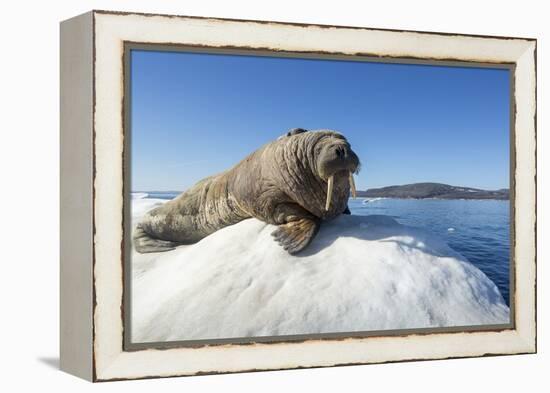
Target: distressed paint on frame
97 306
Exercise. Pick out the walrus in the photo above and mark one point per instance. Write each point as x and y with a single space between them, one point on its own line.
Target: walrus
295 182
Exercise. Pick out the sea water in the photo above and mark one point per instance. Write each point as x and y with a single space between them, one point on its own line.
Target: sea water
477 229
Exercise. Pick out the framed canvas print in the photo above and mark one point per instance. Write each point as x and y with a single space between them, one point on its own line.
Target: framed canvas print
245 195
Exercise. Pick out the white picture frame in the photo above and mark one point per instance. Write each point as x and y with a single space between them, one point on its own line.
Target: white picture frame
92 193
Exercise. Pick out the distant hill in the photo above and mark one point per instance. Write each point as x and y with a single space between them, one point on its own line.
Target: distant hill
433 190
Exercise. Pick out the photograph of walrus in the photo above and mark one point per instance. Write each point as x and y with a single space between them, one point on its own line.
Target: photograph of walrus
273 197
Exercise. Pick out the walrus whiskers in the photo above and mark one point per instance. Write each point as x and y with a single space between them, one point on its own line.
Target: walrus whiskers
329 191
352 185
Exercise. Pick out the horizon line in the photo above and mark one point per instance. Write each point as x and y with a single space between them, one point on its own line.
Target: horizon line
375 187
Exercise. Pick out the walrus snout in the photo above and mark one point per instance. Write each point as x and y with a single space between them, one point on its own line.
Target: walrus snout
348 160
337 158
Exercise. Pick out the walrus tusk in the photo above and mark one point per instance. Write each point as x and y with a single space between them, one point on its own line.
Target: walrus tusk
329 192
352 185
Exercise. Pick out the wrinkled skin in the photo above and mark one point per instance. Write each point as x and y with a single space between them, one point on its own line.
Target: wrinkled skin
283 183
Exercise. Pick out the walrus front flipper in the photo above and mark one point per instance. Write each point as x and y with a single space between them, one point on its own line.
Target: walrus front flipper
145 243
296 235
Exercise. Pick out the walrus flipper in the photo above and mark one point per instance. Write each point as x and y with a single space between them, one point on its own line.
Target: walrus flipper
296 235
144 243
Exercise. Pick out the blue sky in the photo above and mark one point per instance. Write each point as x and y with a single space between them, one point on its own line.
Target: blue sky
194 115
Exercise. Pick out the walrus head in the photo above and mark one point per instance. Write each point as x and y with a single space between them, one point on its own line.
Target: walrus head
335 160
313 169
